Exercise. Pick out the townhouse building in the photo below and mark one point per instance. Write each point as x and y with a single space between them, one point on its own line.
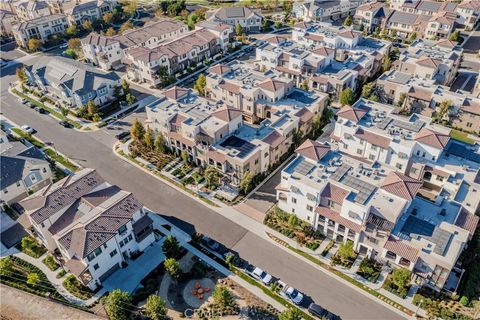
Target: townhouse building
249 19
371 16
329 59
23 170
258 94
108 52
321 10
72 82
40 28
94 227
91 10
32 9
7 20
176 55
468 13
214 133
396 186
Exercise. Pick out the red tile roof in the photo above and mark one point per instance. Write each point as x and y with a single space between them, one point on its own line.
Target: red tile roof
429 62
349 34
275 39
335 216
219 69
401 248
313 150
419 93
351 113
230 87
334 193
323 51
175 93
289 71
305 115
373 138
314 37
431 138
467 221
227 114
182 139
274 139
401 185
272 85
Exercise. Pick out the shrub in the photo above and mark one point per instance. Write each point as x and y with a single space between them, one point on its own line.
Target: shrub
51 263
464 301
31 247
76 288
61 274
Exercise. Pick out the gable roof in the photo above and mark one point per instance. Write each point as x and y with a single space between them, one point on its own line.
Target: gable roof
313 150
432 138
176 93
323 51
351 113
334 193
351 34
467 220
445 43
401 248
271 84
401 185
373 138
429 62
11 171
227 114
219 69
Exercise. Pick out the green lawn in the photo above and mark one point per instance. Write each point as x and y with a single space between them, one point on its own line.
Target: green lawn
461 136
58 158
50 110
28 137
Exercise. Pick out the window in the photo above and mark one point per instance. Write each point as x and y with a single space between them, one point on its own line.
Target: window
371 157
96 266
113 253
440 178
399 166
122 229
18 183
130 237
359 151
309 208
90 257
294 200
97 252
44 170
374 148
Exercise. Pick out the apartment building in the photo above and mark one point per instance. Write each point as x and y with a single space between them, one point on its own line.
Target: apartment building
469 13
7 20
72 82
176 55
23 170
91 10
249 19
371 16
325 10
214 133
95 226
108 52
32 9
395 186
258 94
39 28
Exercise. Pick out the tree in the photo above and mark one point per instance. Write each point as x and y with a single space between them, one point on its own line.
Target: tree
160 143
137 130
72 30
129 98
200 84
165 77
96 118
293 220
367 90
171 247
211 176
125 87
74 44
278 24
222 297
387 64
376 31
173 268
148 138
6 266
184 155
287 7
464 301
91 107
28 243
21 75
348 21
374 98
116 304
443 109
108 17
316 124
413 36
110 32
33 44
126 26
401 99
401 277
130 8
155 308
345 251
246 182
347 97
33 278
71 53
290 314
87 25
304 85
117 92
455 36
238 30
361 27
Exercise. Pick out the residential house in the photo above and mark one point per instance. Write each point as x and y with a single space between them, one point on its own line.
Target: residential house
108 52
469 13
94 226
73 82
325 10
7 20
395 186
32 9
371 16
39 28
249 19
23 170
91 10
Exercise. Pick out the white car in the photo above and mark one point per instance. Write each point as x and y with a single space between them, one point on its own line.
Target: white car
259 274
63 46
291 293
28 129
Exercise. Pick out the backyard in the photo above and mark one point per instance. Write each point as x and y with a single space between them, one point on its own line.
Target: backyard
294 228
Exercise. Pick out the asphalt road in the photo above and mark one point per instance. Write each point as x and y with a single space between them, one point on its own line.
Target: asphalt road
95 150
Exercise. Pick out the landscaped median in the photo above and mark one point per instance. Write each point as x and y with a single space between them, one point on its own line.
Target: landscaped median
50 110
167 179
349 279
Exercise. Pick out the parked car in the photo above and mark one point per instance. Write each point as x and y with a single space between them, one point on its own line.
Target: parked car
30 105
24 101
290 293
28 129
65 124
318 311
63 46
259 274
122 135
211 244
40 110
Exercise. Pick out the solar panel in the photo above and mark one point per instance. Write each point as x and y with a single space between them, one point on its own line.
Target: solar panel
304 167
243 147
415 126
462 151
